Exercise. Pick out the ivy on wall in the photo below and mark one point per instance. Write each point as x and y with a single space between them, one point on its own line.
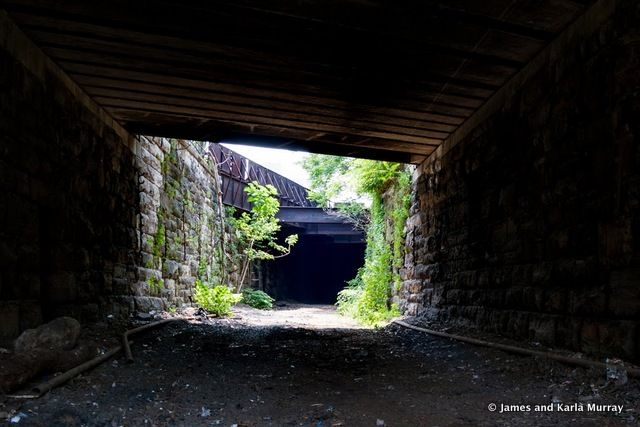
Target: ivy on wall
186 230
367 297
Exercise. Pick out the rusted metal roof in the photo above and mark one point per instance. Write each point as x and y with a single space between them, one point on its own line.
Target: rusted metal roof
370 78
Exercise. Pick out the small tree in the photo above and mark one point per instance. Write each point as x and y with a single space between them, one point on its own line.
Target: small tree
256 230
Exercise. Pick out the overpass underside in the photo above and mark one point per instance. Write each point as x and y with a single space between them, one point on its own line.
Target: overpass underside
523 119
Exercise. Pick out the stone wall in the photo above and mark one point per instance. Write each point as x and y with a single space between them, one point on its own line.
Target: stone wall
530 226
69 201
93 222
180 224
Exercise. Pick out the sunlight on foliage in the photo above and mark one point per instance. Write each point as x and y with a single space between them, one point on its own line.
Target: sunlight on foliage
367 296
216 300
256 231
257 299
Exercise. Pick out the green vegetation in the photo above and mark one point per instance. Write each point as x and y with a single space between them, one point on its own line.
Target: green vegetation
256 230
326 174
158 239
401 201
257 299
216 300
367 296
155 284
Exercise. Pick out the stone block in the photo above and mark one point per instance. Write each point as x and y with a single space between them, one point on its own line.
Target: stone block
590 337
171 269
568 332
148 274
624 297
413 286
61 287
147 304
619 338
543 329
170 286
185 271
138 288
9 319
30 314
588 301
554 300
187 282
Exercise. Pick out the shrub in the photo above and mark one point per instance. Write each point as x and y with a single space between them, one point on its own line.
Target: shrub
347 301
257 299
388 185
256 231
216 300
366 298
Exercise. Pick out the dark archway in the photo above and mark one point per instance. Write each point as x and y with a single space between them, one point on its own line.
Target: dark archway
316 270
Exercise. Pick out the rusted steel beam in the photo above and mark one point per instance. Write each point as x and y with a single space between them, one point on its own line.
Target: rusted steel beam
237 171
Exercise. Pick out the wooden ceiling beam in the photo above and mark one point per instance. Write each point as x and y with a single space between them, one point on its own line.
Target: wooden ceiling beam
97 64
221 116
441 113
207 129
369 78
400 14
270 108
269 51
224 71
365 92
425 121
247 112
407 74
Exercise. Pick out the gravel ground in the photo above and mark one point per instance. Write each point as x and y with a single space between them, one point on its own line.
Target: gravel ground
308 366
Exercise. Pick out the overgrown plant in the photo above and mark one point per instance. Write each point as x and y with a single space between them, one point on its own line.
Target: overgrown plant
257 299
216 300
367 297
347 301
257 230
155 284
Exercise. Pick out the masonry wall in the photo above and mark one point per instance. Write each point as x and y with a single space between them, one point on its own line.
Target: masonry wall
81 202
182 234
68 201
530 226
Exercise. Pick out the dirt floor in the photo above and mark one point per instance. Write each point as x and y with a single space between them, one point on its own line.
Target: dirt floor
308 366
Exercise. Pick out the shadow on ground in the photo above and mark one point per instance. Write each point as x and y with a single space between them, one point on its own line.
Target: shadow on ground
236 372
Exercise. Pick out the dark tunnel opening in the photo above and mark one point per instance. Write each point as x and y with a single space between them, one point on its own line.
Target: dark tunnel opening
316 270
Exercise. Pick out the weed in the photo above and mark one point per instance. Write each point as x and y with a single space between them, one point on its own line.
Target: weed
257 299
156 284
216 300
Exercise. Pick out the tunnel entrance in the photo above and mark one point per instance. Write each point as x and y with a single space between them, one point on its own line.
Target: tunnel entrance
329 251
327 255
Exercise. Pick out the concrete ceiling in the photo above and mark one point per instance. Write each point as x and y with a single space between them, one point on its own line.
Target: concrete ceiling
382 79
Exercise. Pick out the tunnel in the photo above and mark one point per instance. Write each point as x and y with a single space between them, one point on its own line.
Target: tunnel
519 121
317 270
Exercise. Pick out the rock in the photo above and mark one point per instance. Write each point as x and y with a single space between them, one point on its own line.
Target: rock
59 334
17 369
143 316
17 418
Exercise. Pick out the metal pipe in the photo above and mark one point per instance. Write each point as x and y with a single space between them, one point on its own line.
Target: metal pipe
125 336
41 389
632 372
